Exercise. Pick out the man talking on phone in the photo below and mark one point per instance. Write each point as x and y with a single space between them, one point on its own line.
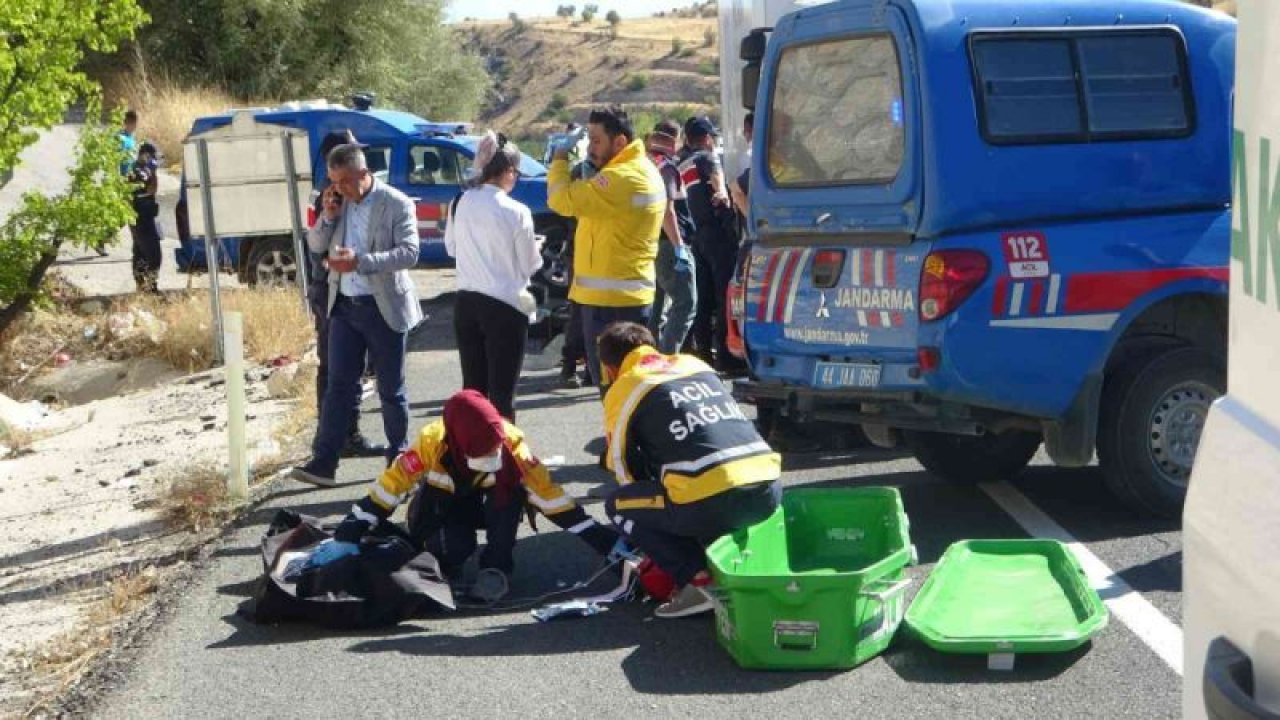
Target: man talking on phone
369 231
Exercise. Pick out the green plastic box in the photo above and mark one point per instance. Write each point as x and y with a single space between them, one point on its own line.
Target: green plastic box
818 585
1005 598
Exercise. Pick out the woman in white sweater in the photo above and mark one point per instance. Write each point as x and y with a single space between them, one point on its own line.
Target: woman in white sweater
491 236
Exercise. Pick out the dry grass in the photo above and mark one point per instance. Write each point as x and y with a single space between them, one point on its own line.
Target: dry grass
198 501
65 659
165 109
17 440
275 325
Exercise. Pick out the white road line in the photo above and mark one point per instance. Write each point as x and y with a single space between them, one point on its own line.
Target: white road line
1149 624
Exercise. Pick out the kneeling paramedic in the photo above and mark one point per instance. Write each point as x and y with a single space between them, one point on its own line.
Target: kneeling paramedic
473 470
691 466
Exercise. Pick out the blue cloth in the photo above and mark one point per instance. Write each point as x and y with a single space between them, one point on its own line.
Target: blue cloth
129 147
671 321
330 551
356 327
595 318
356 237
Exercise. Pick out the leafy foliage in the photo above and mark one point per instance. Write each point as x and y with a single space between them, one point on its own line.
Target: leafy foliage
93 209
42 44
399 49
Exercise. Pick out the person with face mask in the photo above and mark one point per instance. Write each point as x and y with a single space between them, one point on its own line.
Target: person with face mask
472 470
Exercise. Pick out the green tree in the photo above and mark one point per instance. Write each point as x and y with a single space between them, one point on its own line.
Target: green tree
612 17
91 211
42 45
42 48
589 12
286 49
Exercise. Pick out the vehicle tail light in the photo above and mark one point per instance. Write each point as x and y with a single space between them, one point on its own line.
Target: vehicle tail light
949 278
827 265
735 310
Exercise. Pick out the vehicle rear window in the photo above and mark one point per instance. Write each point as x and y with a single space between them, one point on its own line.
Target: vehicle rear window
1082 87
836 115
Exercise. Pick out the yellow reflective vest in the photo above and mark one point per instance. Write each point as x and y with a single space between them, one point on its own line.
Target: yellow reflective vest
619 213
669 419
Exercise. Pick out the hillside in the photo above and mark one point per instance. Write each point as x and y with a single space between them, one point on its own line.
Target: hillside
550 71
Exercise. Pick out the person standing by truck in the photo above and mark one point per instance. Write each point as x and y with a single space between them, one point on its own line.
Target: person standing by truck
491 236
715 241
357 445
146 224
619 213
370 232
675 268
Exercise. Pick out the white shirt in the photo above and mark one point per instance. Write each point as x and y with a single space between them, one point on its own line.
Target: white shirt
491 235
356 237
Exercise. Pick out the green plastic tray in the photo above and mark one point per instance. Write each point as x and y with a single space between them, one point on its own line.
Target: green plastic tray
1006 597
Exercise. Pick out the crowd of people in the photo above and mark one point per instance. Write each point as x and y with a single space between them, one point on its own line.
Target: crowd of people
655 244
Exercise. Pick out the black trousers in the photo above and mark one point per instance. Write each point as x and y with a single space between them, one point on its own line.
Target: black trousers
676 536
491 342
445 525
716 256
146 247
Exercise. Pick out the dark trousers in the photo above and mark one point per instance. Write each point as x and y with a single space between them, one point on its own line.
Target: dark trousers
146 252
595 318
676 536
321 319
445 525
491 342
574 349
356 328
716 257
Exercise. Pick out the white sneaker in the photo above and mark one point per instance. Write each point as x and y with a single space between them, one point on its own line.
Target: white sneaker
691 600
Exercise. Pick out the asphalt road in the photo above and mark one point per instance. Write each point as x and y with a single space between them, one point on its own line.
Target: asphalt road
206 662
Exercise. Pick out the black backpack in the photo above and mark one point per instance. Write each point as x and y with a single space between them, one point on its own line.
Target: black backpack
389 581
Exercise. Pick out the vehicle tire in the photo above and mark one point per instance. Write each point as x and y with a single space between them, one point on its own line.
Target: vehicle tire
1153 410
272 264
973 458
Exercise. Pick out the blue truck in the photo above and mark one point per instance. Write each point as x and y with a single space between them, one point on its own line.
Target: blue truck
425 160
981 225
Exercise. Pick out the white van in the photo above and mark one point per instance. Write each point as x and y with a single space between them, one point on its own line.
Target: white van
1231 524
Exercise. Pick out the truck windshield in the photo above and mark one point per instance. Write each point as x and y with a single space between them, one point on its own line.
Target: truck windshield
836 115
529 167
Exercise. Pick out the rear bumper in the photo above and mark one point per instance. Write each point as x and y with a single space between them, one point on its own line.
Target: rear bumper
907 409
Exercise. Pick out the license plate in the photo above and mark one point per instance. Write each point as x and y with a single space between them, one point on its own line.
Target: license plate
836 375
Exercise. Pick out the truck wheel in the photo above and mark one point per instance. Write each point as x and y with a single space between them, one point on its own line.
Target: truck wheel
272 264
1153 411
973 459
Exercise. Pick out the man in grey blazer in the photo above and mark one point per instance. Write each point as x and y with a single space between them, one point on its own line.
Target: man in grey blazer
369 231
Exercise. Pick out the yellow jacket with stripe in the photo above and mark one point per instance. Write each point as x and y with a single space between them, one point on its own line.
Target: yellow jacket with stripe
619 213
424 463
669 419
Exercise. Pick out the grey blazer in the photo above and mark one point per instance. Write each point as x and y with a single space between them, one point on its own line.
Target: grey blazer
393 249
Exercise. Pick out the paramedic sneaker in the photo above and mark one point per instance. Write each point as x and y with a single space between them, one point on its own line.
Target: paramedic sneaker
691 600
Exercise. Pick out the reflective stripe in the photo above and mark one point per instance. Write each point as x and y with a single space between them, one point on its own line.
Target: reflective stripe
361 514
385 498
656 502
564 502
647 199
693 466
591 283
554 188
619 438
440 480
584 525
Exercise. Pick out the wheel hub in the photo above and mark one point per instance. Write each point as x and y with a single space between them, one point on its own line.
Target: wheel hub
1175 426
276 269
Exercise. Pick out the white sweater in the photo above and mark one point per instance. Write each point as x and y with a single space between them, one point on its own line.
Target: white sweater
491 236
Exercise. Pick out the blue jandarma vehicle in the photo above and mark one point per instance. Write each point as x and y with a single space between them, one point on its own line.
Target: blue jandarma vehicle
425 160
980 225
